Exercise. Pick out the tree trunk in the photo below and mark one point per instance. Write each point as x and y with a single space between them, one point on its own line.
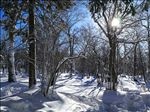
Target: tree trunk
32 45
11 60
112 62
51 81
44 74
117 60
148 29
114 75
71 43
125 61
142 64
135 61
149 56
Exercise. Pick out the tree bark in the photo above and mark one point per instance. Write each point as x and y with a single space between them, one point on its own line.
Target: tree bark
11 60
149 56
141 63
148 29
135 60
32 46
112 62
71 43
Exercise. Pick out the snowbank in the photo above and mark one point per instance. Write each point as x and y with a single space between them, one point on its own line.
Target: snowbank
75 94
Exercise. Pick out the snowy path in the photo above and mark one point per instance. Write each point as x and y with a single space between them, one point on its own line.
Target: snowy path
128 97
76 95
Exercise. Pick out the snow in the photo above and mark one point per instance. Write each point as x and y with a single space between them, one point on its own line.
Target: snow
75 94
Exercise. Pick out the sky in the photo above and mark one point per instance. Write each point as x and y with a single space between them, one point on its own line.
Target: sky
80 8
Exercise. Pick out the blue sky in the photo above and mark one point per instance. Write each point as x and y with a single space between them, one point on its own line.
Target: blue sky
3 32
87 20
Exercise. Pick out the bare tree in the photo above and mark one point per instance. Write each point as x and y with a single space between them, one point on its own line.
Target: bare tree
49 29
146 24
12 13
103 14
71 19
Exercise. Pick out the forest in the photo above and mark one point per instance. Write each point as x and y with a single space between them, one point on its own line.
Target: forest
75 56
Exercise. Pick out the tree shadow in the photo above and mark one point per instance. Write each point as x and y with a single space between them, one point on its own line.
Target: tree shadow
110 101
12 89
3 84
81 99
87 83
146 99
31 102
148 85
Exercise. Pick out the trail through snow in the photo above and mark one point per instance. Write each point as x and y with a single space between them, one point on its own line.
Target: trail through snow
75 95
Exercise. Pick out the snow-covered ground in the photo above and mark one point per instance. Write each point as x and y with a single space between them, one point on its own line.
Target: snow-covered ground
75 95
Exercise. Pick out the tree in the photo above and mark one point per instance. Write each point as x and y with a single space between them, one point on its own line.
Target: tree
49 26
3 56
71 19
103 13
12 12
32 46
146 15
